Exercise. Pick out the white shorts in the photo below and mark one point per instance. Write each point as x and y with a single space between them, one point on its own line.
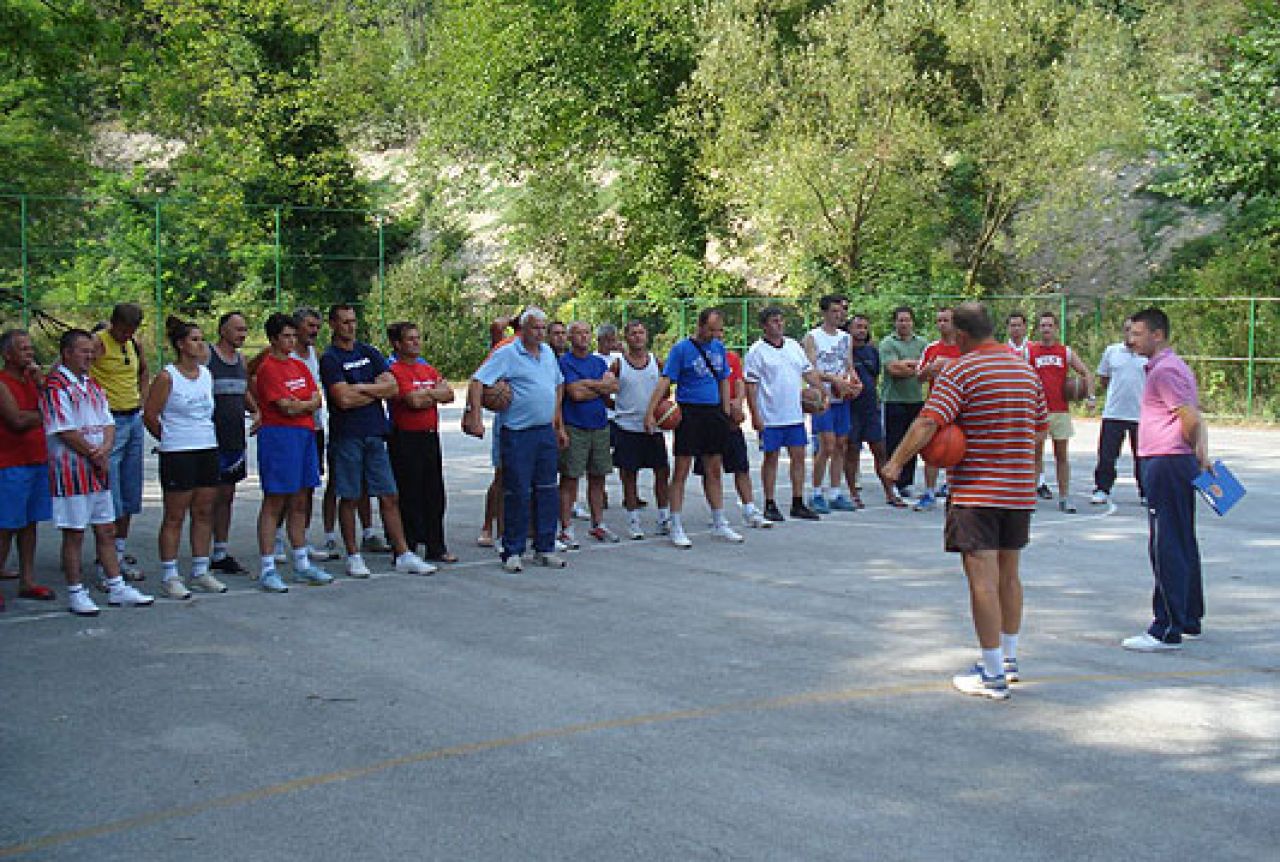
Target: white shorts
78 512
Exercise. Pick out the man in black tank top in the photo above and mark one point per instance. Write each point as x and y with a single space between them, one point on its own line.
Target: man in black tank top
231 401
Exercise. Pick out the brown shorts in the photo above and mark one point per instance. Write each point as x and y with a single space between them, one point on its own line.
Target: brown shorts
974 528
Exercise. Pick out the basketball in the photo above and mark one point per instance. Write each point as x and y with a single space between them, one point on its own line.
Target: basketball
668 414
497 396
813 400
946 449
1073 388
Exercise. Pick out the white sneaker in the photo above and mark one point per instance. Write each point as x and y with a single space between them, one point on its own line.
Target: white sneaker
208 584
678 537
280 553
126 596
79 603
410 563
724 531
634 530
1146 643
551 561
561 547
664 526
1100 498
173 588
568 539
513 565
323 554
356 568
581 513
755 520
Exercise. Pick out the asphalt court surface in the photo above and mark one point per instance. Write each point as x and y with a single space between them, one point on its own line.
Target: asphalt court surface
787 698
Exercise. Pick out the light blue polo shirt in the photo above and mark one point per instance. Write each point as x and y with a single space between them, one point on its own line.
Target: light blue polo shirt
533 382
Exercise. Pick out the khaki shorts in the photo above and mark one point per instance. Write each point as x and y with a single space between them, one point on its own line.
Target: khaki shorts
588 452
1060 427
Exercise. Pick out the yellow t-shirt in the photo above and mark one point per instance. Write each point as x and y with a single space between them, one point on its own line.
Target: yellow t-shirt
116 371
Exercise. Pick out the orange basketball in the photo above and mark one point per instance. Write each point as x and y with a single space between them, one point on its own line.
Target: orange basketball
667 414
946 449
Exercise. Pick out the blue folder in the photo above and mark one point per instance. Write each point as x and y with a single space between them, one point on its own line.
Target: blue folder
1219 488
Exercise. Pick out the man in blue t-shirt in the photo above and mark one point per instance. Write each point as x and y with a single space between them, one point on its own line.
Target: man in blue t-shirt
864 414
356 378
587 383
700 371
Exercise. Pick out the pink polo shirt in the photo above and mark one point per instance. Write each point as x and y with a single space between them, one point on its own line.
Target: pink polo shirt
1170 385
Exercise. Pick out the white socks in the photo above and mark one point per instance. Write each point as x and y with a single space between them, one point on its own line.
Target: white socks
1009 645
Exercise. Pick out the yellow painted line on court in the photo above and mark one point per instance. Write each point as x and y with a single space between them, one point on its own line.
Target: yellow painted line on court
812 698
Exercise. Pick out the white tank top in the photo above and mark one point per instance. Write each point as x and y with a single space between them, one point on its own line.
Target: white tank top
635 388
312 361
830 354
186 423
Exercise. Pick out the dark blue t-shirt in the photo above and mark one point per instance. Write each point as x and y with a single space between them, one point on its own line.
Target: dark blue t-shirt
362 365
590 414
866 361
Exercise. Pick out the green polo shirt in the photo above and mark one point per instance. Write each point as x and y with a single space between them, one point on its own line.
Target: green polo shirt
900 390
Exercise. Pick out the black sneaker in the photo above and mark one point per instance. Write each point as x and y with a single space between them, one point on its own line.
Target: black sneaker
771 512
228 565
804 513
1044 493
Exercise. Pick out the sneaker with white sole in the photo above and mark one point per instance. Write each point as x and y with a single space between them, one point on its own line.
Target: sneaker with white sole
818 503
174 588
634 530
270 582
679 539
312 577
1066 507
323 554
129 569
79 603
755 520
664 526
513 565
280 552
356 568
207 583
724 531
976 682
1100 498
1011 669
601 533
1146 643
126 596
549 559
410 563
841 503
568 539
375 544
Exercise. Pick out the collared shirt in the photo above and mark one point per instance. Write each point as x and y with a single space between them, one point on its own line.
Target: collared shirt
1127 375
116 371
73 403
533 381
901 390
1170 385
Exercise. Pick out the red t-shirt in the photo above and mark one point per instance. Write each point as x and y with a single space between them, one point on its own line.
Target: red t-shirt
27 448
1051 364
410 376
939 350
278 379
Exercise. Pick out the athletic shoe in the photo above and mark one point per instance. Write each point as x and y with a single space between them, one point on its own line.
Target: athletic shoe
1100 497
1043 492
803 512
313 577
324 553
1146 643
771 512
550 560
99 579
228 565
375 544
356 568
207 583
724 531
678 537
1011 669
755 520
857 501
601 533
174 588
927 503
512 565
664 526
129 569
270 582
126 596
977 682
581 513
568 539
817 503
410 563
561 547
841 503
79 603
943 492
1066 507
280 553
633 526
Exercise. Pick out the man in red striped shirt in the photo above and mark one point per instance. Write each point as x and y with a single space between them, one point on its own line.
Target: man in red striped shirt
998 402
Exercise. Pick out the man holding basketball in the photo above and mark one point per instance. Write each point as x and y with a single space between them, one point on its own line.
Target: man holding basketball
998 402
1051 359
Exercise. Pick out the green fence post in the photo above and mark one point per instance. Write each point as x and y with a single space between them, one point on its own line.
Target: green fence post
382 276
745 334
158 327
26 271
1253 328
278 262
1062 315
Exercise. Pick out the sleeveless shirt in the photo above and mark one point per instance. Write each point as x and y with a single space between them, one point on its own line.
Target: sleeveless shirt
230 382
186 423
635 388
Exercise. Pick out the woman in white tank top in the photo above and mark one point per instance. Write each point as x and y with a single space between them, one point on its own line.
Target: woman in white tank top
179 413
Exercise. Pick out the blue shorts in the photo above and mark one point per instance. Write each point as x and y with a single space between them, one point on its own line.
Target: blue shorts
232 466
25 491
361 466
126 463
865 427
833 420
775 438
287 461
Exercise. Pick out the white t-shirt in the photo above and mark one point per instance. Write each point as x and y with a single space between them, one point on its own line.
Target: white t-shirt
778 373
1127 373
312 360
831 355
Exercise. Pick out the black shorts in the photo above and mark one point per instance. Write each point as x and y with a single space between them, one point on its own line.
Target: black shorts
635 450
186 471
703 430
735 454
976 528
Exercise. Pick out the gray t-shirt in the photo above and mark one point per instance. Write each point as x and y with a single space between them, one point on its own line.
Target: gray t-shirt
1127 373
